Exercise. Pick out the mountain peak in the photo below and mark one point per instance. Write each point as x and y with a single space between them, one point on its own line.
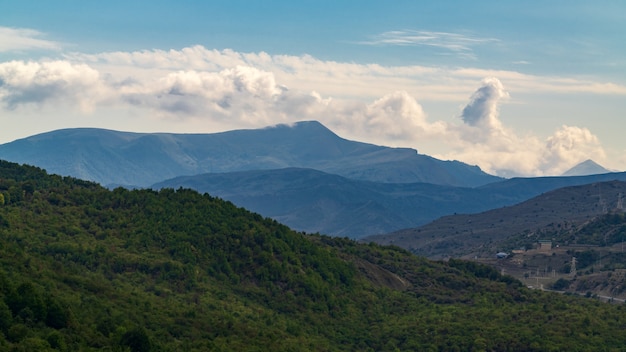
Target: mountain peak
587 167
147 158
306 127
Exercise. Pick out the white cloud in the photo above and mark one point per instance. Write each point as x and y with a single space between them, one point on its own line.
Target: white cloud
35 83
396 119
568 146
482 110
370 103
485 141
20 39
337 79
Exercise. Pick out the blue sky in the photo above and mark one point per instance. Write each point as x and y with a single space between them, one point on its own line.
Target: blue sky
518 88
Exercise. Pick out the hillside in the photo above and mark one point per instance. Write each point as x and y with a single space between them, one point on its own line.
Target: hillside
483 234
314 201
142 159
86 268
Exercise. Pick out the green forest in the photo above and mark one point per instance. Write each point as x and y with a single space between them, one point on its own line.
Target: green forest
84 268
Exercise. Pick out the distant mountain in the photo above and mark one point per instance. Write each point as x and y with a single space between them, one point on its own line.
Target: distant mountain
314 201
587 167
142 159
469 234
523 188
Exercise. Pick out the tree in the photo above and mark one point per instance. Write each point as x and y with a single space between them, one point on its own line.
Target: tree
137 340
560 284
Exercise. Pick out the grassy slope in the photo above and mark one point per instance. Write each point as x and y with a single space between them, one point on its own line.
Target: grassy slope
84 268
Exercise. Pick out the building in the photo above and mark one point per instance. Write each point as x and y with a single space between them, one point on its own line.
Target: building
545 245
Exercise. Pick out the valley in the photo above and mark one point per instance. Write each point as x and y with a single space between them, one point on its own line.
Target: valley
551 270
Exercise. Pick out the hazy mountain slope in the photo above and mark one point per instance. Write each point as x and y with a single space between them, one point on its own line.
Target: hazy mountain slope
107 157
140 159
467 234
519 189
83 268
314 201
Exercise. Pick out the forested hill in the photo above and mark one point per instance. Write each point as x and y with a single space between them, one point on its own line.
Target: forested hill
84 268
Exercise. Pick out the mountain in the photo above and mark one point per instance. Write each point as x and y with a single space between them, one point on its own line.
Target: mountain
84 268
587 167
314 201
142 159
485 233
523 188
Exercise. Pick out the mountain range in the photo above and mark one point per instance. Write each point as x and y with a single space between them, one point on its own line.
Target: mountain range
314 201
114 158
303 175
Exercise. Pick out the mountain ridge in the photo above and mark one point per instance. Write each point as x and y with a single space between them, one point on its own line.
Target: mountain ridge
141 159
467 235
314 201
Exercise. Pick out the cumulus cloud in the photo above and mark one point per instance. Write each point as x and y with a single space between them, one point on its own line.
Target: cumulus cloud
568 146
240 96
337 79
485 141
20 39
24 83
399 116
370 103
396 119
482 110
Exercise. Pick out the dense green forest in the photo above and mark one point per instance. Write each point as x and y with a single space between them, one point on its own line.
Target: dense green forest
84 268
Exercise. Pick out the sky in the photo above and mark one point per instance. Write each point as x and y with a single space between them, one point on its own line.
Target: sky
519 88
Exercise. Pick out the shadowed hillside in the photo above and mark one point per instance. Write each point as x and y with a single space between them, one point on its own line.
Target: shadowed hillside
466 235
313 201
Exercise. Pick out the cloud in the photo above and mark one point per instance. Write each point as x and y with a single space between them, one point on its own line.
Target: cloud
21 39
459 43
34 83
337 79
482 110
373 103
568 146
396 119
485 141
